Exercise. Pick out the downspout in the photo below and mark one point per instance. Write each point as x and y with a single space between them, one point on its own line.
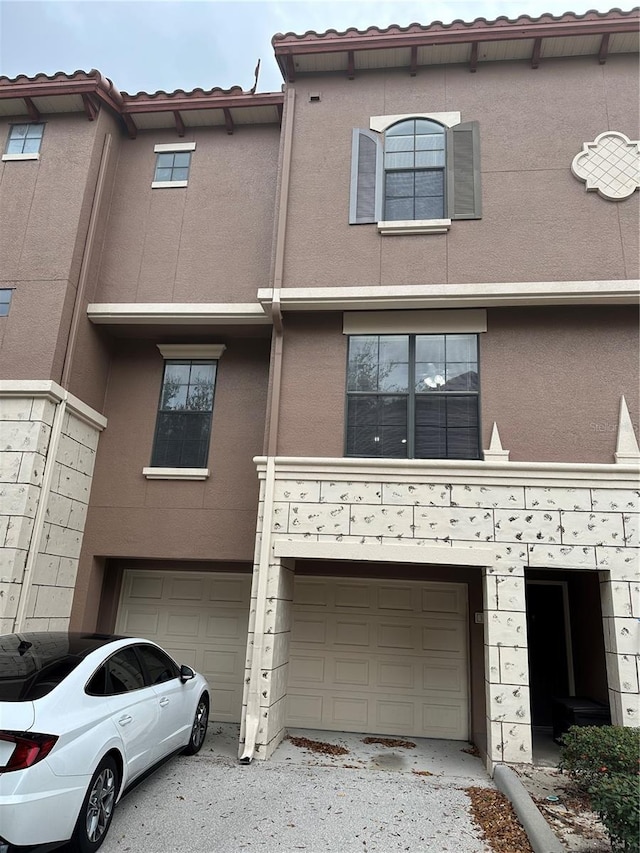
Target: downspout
252 719
35 541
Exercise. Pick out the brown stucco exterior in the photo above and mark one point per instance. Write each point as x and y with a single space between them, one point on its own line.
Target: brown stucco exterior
538 223
551 378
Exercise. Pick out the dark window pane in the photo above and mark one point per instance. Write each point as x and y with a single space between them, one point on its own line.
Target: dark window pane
430 183
164 161
399 185
362 371
431 412
182 158
429 159
430 377
432 142
462 444
159 666
34 131
429 208
462 412
99 684
403 128
430 443
399 209
461 377
400 143
180 175
425 125
399 160
124 672
163 175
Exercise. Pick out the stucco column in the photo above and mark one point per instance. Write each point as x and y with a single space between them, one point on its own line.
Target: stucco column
619 596
506 665
273 666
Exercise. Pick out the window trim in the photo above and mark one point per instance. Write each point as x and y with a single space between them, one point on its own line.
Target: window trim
34 155
193 352
382 123
171 148
411 396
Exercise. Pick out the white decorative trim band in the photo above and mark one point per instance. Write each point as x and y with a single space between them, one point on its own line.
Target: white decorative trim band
34 156
568 474
466 295
177 313
381 123
439 555
414 226
176 473
50 390
414 322
191 350
167 185
174 146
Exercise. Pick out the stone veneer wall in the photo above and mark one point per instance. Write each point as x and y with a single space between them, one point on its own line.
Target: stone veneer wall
520 526
26 425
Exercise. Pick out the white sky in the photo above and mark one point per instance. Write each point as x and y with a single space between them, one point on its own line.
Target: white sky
163 44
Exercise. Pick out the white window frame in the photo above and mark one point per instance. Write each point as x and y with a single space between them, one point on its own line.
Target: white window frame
171 148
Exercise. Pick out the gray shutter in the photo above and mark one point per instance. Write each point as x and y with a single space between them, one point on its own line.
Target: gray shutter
464 198
365 201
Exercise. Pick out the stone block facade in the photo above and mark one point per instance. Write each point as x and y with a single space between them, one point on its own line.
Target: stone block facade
48 442
533 518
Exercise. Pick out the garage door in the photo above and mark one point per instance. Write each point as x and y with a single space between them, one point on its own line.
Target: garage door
201 619
384 657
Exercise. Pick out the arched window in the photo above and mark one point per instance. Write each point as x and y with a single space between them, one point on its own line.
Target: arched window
414 170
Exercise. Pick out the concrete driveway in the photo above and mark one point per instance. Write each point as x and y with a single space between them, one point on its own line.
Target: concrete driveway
372 798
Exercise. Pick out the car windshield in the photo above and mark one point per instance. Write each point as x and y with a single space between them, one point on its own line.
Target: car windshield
33 664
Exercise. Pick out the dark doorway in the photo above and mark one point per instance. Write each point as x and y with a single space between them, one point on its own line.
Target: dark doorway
547 633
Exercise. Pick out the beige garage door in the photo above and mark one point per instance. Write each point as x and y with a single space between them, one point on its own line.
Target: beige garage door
199 618
386 657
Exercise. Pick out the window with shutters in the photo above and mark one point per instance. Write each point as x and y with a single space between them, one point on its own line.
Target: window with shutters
415 174
413 396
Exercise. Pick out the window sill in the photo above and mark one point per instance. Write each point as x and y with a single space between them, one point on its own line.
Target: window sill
414 226
165 185
34 156
176 473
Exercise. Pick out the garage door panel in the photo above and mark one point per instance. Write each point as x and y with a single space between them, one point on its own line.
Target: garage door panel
184 589
201 619
391 667
140 622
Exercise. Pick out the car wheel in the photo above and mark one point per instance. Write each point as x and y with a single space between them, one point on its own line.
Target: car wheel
97 809
199 728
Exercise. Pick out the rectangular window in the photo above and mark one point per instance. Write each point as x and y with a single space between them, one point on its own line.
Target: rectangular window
183 426
25 139
413 396
172 166
5 300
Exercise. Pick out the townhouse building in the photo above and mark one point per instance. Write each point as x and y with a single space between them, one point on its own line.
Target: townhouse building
333 391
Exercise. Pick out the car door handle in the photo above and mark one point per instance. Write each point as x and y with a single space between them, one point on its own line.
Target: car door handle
164 702
125 720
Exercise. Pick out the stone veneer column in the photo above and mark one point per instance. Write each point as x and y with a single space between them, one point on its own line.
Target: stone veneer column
47 451
506 665
620 596
274 661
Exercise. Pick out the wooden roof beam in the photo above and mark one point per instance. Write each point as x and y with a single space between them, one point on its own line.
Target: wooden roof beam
228 120
413 67
535 55
604 49
90 107
179 123
34 113
473 59
291 70
131 125
351 64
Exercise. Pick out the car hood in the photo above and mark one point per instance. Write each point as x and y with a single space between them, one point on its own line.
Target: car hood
16 716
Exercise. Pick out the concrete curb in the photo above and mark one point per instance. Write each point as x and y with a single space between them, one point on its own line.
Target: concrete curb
541 836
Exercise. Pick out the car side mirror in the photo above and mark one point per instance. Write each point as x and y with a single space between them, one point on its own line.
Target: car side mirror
186 673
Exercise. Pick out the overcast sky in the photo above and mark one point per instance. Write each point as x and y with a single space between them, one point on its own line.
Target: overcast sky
152 44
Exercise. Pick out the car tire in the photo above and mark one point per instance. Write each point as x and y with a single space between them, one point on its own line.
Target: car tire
96 813
199 727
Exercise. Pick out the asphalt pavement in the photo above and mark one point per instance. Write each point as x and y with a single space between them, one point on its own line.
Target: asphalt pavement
374 797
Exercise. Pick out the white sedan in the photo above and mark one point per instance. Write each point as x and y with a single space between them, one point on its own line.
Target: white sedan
82 716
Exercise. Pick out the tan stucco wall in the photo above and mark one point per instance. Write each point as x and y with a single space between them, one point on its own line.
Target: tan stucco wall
42 241
207 242
539 223
551 378
131 516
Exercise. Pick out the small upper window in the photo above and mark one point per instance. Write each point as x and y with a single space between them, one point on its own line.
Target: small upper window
25 139
173 166
5 300
173 162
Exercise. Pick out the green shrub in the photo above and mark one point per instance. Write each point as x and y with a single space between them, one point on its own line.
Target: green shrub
589 752
615 798
604 761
